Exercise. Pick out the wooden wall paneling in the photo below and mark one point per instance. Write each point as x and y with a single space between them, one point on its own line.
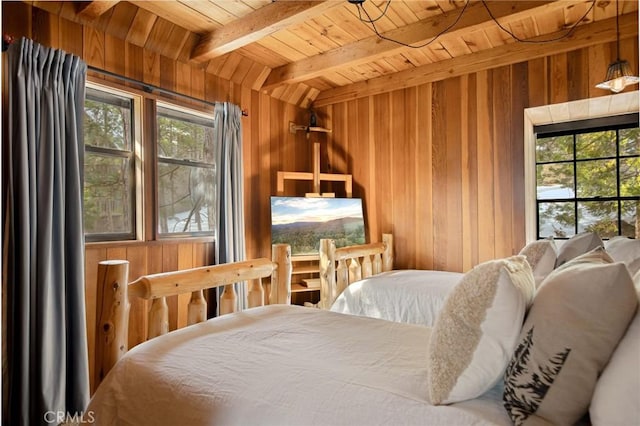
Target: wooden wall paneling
353 152
558 88
159 35
414 223
229 66
170 263
141 27
168 78
45 28
336 157
630 51
113 60
264 175
121 19
91 258
470 175
486 213
101 23
439 176
503 171
251 170
16 19
93 47
276 141
577 75
382 165
360 157
369 185
134 61
519 101
185 261
151 63
424 178
176 38
464 164
453 200
183 82
71 37
537 82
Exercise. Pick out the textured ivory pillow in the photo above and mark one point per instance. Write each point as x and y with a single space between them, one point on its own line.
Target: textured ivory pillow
624 249
541 255
578 316
577 245
615 398
477 329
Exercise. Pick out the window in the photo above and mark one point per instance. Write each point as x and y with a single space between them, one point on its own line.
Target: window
110 165
588 177
186 172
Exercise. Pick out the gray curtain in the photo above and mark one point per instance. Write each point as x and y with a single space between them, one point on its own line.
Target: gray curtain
43 242
230 245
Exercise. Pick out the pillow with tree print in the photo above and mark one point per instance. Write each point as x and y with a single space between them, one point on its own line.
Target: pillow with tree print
578 316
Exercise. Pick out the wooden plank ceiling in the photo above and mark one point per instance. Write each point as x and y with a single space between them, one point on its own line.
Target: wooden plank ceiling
306 51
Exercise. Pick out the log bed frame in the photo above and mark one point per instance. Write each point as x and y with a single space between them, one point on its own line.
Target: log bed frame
338 268
112 315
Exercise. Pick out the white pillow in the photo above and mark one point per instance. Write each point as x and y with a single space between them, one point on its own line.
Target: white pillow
477 329
576 246
615 398
541 255
624 249
579 315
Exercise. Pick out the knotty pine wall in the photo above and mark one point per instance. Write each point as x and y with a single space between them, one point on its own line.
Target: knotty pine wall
268 147
441 165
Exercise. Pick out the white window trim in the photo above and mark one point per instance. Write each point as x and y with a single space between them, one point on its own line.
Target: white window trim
604 106
137 150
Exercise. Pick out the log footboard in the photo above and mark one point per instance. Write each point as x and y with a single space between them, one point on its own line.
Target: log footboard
113 310
340 267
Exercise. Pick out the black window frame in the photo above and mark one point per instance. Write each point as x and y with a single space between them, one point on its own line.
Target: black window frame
575 128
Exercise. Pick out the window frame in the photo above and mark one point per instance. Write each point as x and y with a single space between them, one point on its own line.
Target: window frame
574 129
184 111
135 155
603 106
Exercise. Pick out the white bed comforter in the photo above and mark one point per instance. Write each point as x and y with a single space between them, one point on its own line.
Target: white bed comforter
410 296
283 365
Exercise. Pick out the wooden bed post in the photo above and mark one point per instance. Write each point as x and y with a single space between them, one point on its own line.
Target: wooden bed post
387 255
327 273
281 288
112 316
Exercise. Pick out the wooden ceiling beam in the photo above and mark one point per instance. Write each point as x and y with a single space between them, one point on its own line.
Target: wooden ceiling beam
92 10
474 18
258 24
583 36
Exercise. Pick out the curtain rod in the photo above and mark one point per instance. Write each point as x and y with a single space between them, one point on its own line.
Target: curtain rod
150 88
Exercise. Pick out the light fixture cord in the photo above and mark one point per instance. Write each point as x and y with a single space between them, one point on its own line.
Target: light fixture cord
617 34
569 31
413 46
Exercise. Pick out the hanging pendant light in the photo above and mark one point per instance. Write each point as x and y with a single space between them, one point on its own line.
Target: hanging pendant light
619 73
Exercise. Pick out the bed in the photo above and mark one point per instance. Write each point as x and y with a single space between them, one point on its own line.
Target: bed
360 280
282 364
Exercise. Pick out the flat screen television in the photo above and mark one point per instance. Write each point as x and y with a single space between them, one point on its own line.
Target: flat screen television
303 221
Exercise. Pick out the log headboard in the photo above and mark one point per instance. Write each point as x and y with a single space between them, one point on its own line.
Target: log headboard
339 267
113 309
